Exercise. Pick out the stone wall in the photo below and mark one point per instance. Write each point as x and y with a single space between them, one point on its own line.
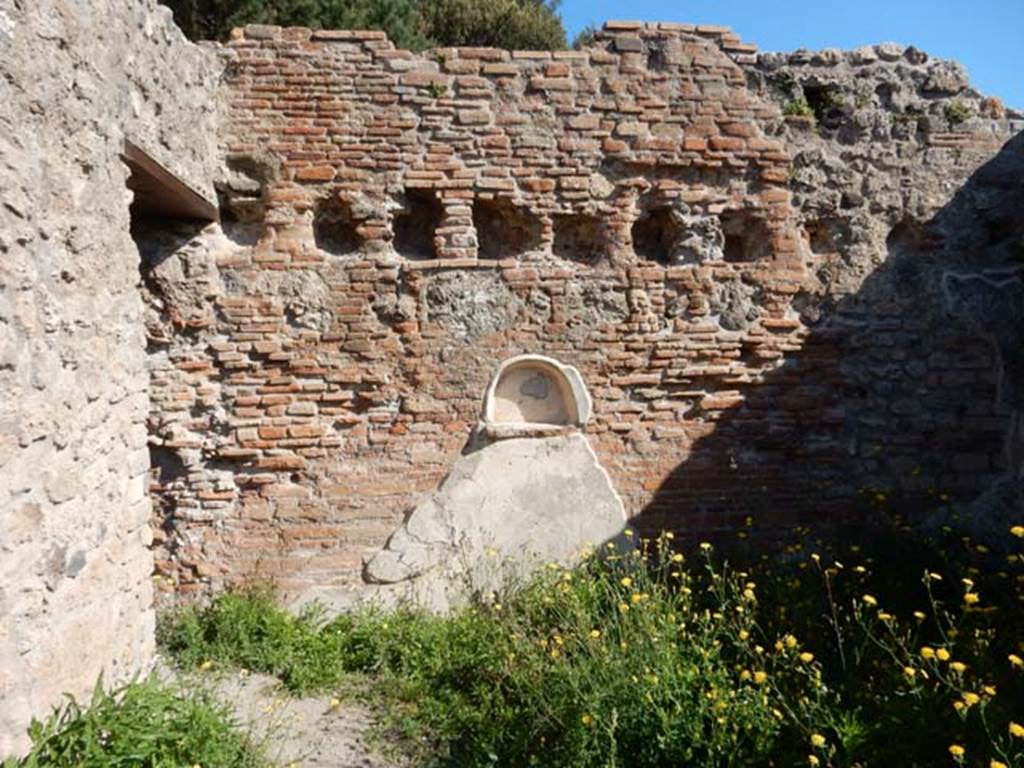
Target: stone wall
76 79
752 295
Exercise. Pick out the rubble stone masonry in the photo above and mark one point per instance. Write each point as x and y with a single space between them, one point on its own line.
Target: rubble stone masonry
76 80
743 255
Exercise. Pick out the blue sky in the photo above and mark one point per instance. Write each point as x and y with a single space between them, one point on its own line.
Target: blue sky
986 36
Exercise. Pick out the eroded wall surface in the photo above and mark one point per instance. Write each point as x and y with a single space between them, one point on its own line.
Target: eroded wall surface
75 568
749 283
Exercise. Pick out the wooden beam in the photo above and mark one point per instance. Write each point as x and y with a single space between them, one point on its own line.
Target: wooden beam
159 192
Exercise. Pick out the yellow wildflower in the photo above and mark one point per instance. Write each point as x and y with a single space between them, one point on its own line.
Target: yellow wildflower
1018 531
919 615
1016 730
870 600
997 764
1016 661
595 633
760 677
956 751
958 666
909 672
817 740
587 720
205 665
705 546
971 698
927 653
677 558
813 760
626 581
806 657
971 598
743 635
884 616
790 641
623 607
942 654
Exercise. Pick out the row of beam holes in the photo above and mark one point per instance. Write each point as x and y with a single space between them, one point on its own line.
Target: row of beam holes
504 228
657 236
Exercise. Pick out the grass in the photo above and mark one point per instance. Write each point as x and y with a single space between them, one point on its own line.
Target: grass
844 655
143 724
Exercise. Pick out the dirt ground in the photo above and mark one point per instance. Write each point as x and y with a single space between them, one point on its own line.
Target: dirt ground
314 732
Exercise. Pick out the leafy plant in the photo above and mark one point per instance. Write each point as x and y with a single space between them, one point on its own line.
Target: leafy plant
957 112
798 108
436 91
652 658
145 723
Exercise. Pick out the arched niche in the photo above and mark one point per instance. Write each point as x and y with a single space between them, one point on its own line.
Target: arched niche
532 395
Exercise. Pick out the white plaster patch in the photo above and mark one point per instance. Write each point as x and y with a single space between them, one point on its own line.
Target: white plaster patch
6 27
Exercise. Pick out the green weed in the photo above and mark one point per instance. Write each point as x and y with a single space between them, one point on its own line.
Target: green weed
798 108
143 724
957 112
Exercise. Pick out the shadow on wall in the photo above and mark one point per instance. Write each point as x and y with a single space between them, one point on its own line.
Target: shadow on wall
915 381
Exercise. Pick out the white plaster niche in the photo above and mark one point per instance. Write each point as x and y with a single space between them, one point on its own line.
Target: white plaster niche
535 396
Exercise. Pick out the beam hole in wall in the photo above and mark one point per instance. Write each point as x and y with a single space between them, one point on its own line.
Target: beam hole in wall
242 196
907 246
747 236
828 236
165 213
505 229
657 61
656 235
826 101
415 225
580 237
334 229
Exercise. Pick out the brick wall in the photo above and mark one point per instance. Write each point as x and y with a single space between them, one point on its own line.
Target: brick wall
395 225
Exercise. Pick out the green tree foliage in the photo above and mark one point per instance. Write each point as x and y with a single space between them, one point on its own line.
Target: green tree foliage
586 37
513 24
414 24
